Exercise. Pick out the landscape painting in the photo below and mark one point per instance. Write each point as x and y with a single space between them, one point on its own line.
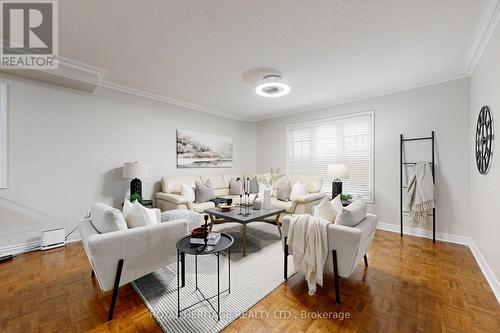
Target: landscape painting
203 150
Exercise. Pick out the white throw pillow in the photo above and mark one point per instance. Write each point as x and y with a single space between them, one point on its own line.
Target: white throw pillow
139 216
298 189
352 215
126 206
187 192
337 204
326 210
106 218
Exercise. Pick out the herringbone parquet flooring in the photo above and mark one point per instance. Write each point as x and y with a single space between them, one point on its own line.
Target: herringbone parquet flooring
411 285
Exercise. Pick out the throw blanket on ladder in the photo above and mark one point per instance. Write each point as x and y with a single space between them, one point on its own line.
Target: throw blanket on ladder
308 243
420 192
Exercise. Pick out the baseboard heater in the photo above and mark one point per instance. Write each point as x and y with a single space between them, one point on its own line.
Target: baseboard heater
53 238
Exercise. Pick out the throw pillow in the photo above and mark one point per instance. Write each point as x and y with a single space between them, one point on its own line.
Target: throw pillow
126 206
254 186
326 210
337 204
204 192
139 216
235 186
352 215
298 189
187 192
106 218
283 191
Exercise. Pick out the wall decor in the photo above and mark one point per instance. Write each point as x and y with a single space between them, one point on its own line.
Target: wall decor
484 140
3 135
203 150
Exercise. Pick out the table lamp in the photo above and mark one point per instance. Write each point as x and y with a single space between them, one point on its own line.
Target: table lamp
337 172
135 170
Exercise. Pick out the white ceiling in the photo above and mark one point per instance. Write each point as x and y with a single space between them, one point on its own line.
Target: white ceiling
196 51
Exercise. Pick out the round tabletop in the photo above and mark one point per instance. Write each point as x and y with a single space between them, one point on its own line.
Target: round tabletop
184 245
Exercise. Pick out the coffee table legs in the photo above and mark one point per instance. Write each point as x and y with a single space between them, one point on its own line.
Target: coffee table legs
244 239
278 224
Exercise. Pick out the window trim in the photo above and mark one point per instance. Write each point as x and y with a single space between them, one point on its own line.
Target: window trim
371 167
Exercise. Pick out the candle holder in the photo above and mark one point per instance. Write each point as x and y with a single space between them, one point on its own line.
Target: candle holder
247 204
241 203
205 247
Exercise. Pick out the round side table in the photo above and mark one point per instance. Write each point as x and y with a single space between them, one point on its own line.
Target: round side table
184 247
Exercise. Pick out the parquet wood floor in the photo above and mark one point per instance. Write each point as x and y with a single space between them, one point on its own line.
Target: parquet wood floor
411 285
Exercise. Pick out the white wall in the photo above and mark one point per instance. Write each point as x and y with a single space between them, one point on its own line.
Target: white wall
443 108
67 149
485 189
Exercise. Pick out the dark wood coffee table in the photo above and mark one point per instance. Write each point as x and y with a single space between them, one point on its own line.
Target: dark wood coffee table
217 216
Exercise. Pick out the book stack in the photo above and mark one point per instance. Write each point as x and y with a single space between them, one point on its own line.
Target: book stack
212 239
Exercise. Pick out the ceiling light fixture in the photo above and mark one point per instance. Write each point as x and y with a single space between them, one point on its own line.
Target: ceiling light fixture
272 86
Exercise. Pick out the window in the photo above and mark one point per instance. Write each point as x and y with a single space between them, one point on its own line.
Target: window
345 139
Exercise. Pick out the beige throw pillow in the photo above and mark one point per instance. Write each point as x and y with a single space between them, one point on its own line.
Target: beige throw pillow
187 192
298 189
283 191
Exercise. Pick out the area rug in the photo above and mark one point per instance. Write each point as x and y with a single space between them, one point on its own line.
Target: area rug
252 278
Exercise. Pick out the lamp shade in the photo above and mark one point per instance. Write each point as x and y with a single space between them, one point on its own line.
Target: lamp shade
135 170
338 171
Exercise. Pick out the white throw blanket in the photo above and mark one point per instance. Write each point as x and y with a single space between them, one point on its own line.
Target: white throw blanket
308 243
420 192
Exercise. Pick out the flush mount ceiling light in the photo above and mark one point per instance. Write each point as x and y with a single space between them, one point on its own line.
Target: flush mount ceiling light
272 86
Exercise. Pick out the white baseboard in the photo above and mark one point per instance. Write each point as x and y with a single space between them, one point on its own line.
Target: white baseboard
425 233
483 265
485 268
32 246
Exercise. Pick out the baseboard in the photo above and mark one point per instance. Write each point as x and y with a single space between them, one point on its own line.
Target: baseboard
32 246
462 240
425 233
485 268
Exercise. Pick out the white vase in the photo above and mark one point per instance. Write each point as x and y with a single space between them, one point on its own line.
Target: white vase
267 199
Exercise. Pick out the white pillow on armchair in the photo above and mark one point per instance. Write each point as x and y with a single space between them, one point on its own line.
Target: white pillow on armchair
136 215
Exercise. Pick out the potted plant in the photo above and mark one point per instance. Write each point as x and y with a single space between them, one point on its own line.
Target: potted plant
134 197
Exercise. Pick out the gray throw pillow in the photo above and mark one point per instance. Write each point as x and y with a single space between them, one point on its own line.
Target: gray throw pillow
352 215
203 192
254 186
235 187
283 191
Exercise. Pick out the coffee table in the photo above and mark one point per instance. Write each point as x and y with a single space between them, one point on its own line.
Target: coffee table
218 216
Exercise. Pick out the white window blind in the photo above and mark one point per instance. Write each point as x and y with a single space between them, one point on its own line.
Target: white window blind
346 139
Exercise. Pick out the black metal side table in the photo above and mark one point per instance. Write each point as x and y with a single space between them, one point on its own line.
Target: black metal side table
184 247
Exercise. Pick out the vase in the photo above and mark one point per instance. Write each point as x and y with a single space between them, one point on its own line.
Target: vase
267 199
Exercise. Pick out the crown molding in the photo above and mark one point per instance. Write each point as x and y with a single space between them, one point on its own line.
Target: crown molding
165 99
80 66
487 26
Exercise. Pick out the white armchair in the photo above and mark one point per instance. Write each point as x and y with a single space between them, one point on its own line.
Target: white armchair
120 257
346 247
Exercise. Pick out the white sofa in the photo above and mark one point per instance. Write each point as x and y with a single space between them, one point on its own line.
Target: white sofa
347 246
120 257
171 198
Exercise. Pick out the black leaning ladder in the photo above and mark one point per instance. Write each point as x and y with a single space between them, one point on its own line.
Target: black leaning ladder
402 164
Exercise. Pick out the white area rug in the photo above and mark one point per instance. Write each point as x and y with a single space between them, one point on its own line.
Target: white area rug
252 278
